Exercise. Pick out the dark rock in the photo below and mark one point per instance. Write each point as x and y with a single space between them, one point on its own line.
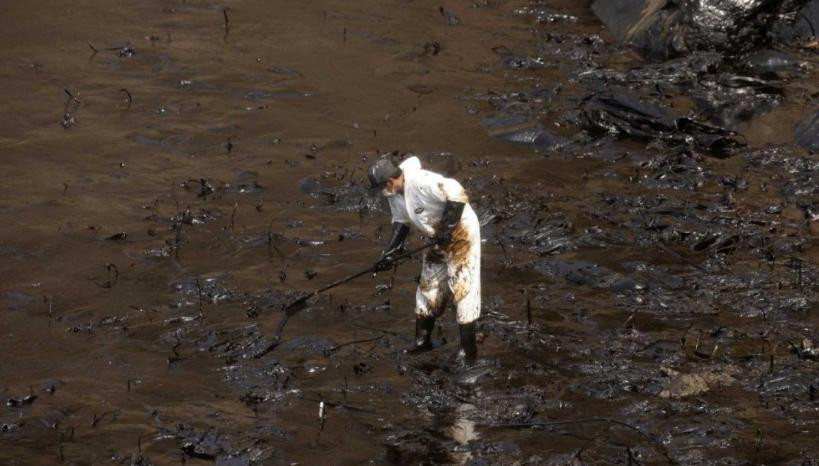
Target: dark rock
807 133
804 25
538 138
764 62
51 386
624 113
665 29
21 401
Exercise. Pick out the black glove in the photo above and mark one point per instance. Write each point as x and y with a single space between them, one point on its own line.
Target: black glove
399 235
383 264
450 218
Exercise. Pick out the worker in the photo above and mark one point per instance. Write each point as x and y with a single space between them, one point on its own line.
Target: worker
439 208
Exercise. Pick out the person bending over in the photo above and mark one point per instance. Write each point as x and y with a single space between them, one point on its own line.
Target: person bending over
451 272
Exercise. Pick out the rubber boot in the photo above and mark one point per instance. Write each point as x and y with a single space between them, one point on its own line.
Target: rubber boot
423 334
469 349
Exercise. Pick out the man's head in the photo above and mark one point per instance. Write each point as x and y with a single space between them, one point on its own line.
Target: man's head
386 176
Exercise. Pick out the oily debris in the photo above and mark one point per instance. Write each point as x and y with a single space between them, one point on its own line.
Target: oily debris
644 173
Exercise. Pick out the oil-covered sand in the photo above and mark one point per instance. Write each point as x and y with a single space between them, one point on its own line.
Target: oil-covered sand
649 283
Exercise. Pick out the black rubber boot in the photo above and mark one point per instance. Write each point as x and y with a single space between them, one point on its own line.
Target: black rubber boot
423 334
469 349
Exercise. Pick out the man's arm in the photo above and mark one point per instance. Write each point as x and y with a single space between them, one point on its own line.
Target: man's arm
399 235
454 204
455 199
400 230
395 245
450 218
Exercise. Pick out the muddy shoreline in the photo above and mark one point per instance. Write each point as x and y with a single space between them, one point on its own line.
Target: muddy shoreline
177 171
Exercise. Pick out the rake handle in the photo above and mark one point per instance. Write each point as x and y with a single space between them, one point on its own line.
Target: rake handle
292 308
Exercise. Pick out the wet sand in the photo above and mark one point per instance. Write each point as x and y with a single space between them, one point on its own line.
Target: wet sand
237 166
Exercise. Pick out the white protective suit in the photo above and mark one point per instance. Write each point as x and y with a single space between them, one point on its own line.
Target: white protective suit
447 273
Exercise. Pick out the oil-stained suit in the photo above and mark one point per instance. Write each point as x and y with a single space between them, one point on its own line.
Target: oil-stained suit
451 270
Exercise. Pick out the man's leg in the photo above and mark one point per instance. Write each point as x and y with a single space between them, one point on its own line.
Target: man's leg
464 270
431 298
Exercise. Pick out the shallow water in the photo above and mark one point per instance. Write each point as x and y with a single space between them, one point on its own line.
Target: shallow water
236 173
